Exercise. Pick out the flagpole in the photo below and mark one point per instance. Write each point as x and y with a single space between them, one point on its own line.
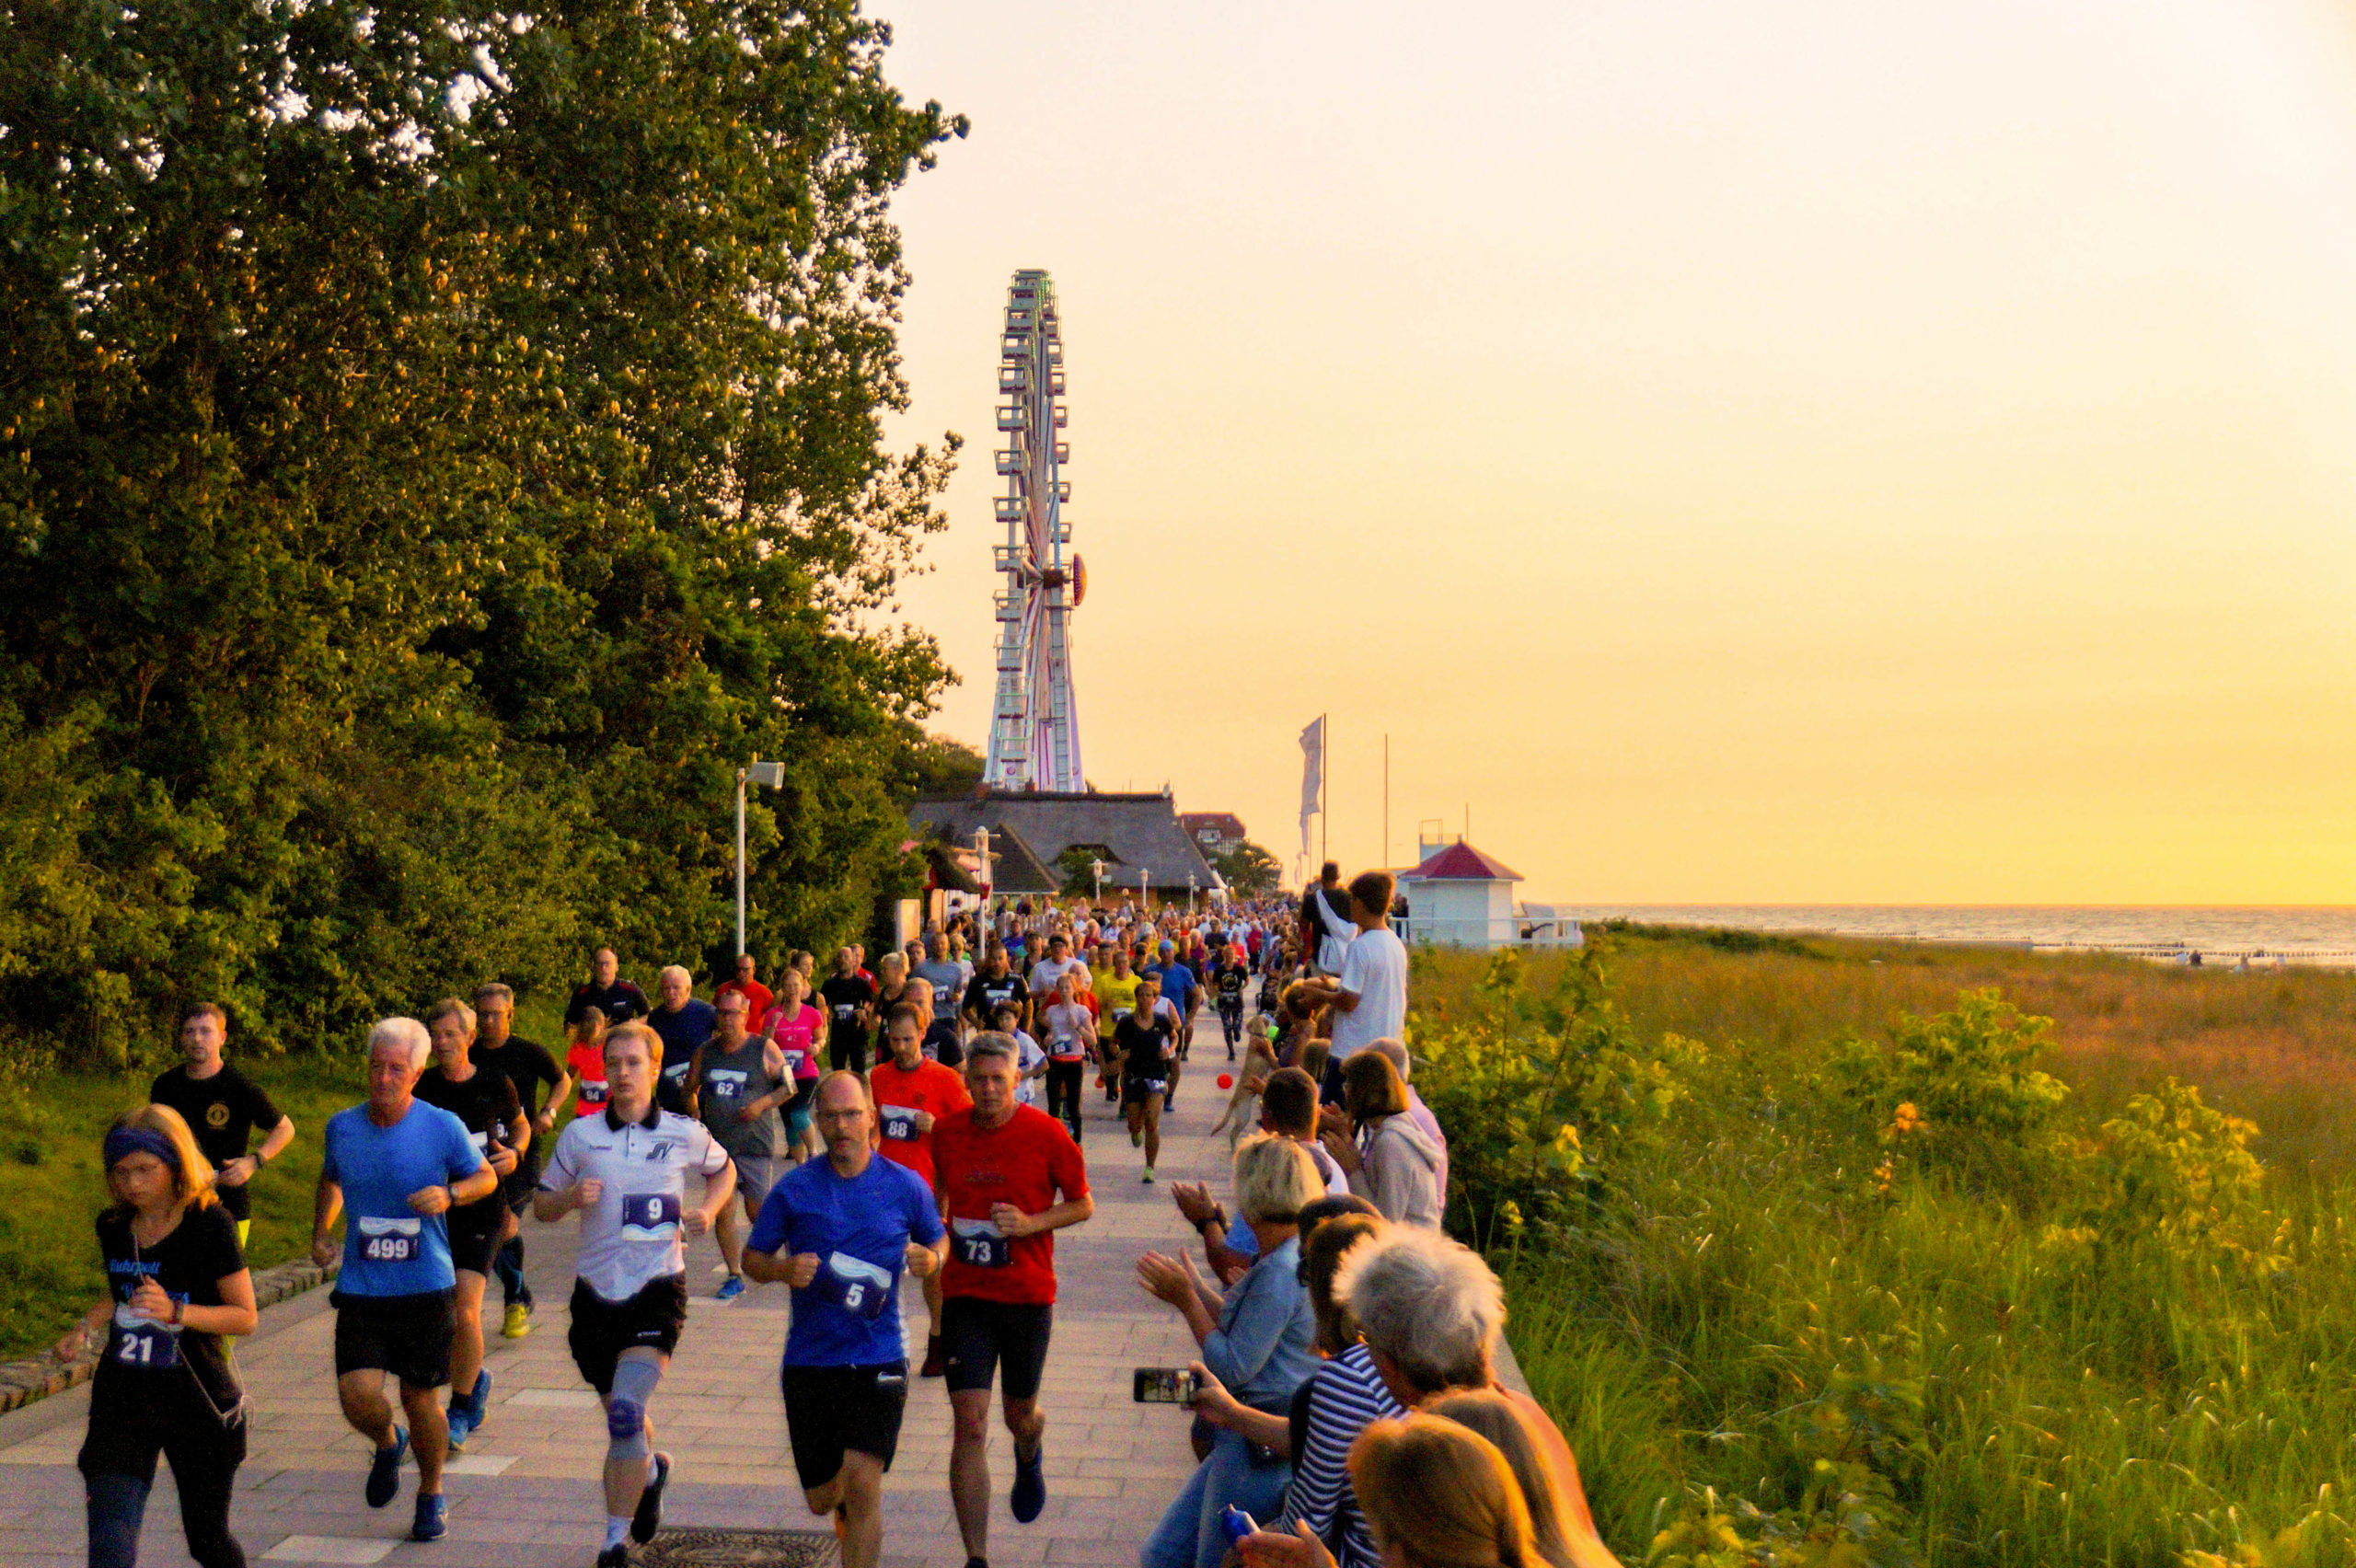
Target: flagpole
1386 801
1325 774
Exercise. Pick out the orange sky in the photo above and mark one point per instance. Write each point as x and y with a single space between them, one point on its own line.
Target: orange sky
1806 452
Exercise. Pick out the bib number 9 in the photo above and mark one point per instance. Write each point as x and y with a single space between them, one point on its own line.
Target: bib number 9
650 1217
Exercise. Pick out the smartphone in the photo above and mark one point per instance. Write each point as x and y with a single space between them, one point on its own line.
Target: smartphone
1163 1384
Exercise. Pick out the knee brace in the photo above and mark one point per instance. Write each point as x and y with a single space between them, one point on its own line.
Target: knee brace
634 1382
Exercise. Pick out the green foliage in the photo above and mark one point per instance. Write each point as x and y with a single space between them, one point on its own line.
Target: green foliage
1541 1091
1968 1072
1077 865
437 445
1249 870
2170 1166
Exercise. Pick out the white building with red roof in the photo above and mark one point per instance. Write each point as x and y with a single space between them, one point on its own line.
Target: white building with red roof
1461 897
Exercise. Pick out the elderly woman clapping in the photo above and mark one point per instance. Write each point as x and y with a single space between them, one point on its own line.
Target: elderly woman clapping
1259 1341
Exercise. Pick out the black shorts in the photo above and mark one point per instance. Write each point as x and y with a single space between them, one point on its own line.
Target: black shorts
976 1335
602 1330
407 1336
848 1050
1139 1092
474 1234
830 1411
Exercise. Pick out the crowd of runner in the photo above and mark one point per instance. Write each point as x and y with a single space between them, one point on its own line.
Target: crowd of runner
921 1114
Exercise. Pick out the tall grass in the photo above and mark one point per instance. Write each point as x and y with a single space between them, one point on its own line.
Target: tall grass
1745 1307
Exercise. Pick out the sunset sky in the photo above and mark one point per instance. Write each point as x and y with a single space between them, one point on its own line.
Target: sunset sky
1792 453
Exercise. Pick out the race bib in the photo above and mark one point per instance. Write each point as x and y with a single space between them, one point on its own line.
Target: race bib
677 1075
482 1141
793 1060
650 1217
1154 1086
390 1241
900 1123
846 1011
855 1285
593 1093
724 1083
981 1243
135 1341
1120 1013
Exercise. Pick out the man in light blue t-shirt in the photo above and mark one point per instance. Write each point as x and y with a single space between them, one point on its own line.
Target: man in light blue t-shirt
839 1230
398 1166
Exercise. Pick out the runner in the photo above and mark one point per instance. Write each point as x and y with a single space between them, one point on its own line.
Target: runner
402 1166
737 1081
1148 1057
1049 972
683 1020
176 1289
1183 989
911 1095
996 986
626 1170
1116 998
486 1103
947 979
526 1065
1008 1178
846 1226
759 998
1071 1029
584 1059
222 1108
849 997
892 991
797 1028
620 1001
1030 1061
1229 984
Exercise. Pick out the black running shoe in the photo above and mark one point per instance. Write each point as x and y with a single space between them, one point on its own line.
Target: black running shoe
649 1517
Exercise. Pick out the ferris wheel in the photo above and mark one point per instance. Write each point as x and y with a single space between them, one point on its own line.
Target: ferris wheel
1034 727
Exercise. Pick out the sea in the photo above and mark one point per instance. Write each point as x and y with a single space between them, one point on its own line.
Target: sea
2306 934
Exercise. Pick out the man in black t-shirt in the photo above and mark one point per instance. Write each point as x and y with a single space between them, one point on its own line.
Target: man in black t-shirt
997 986
221 1107
620 1001
849 997
527 1064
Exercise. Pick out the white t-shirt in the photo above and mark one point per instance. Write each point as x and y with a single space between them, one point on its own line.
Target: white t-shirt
1374 970
1027 1057
631 1235
1047 971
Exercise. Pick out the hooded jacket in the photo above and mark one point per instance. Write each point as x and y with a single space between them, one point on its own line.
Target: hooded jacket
1399 1172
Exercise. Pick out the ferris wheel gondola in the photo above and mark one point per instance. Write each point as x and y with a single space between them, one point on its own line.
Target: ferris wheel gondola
1034 725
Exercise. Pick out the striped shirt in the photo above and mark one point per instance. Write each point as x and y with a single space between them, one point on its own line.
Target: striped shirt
1346 1397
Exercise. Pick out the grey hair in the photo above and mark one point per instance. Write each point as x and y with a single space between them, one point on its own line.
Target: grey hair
491 990
991 1044
403 1031
1428 1303
678 969
1395 1050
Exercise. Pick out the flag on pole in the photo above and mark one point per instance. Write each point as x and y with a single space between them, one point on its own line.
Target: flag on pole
1312 775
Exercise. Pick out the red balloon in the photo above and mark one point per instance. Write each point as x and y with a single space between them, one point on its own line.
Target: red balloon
1225 1081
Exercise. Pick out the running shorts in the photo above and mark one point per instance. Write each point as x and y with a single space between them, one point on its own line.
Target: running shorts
756 1174
977 1336
830 1411
602 1330
474 1234
1138 1090
407 1336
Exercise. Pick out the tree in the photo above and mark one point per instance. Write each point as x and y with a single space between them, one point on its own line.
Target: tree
1248 870
437 445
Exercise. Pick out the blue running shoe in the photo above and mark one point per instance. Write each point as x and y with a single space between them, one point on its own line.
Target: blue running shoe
1030 1493
433 1518
734 1288
385 1471
462 1425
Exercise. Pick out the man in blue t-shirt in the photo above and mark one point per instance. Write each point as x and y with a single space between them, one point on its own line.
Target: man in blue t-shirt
838 1230
400 1166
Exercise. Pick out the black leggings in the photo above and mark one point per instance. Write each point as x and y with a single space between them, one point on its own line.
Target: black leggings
1063 1093
848 1051
117 1481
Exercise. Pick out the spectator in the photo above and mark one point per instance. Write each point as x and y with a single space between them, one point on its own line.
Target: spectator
759 998
1441 1495
1257 1342
620 1001
1288 1108
1417 1112
1391 1159
1325 922
1492 1415
1370 997
1431 1312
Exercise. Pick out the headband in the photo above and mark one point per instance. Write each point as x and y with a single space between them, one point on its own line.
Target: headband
124 1141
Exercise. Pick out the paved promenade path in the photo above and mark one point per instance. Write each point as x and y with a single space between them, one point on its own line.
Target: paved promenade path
525 1492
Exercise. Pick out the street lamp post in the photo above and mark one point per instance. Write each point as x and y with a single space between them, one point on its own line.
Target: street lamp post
769 775
1190 893
1096 869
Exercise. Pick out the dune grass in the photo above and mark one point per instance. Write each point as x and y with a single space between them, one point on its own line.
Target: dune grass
1750 1320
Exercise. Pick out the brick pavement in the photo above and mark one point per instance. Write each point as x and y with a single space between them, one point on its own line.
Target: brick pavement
524 1496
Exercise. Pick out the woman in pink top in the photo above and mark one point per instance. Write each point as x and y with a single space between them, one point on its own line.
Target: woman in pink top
799 1030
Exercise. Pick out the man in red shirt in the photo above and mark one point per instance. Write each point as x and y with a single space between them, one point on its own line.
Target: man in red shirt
758 998
1009 1177
911 1096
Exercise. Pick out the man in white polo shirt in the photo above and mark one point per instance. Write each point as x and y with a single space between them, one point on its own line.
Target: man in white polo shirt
1370 997
625 1169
